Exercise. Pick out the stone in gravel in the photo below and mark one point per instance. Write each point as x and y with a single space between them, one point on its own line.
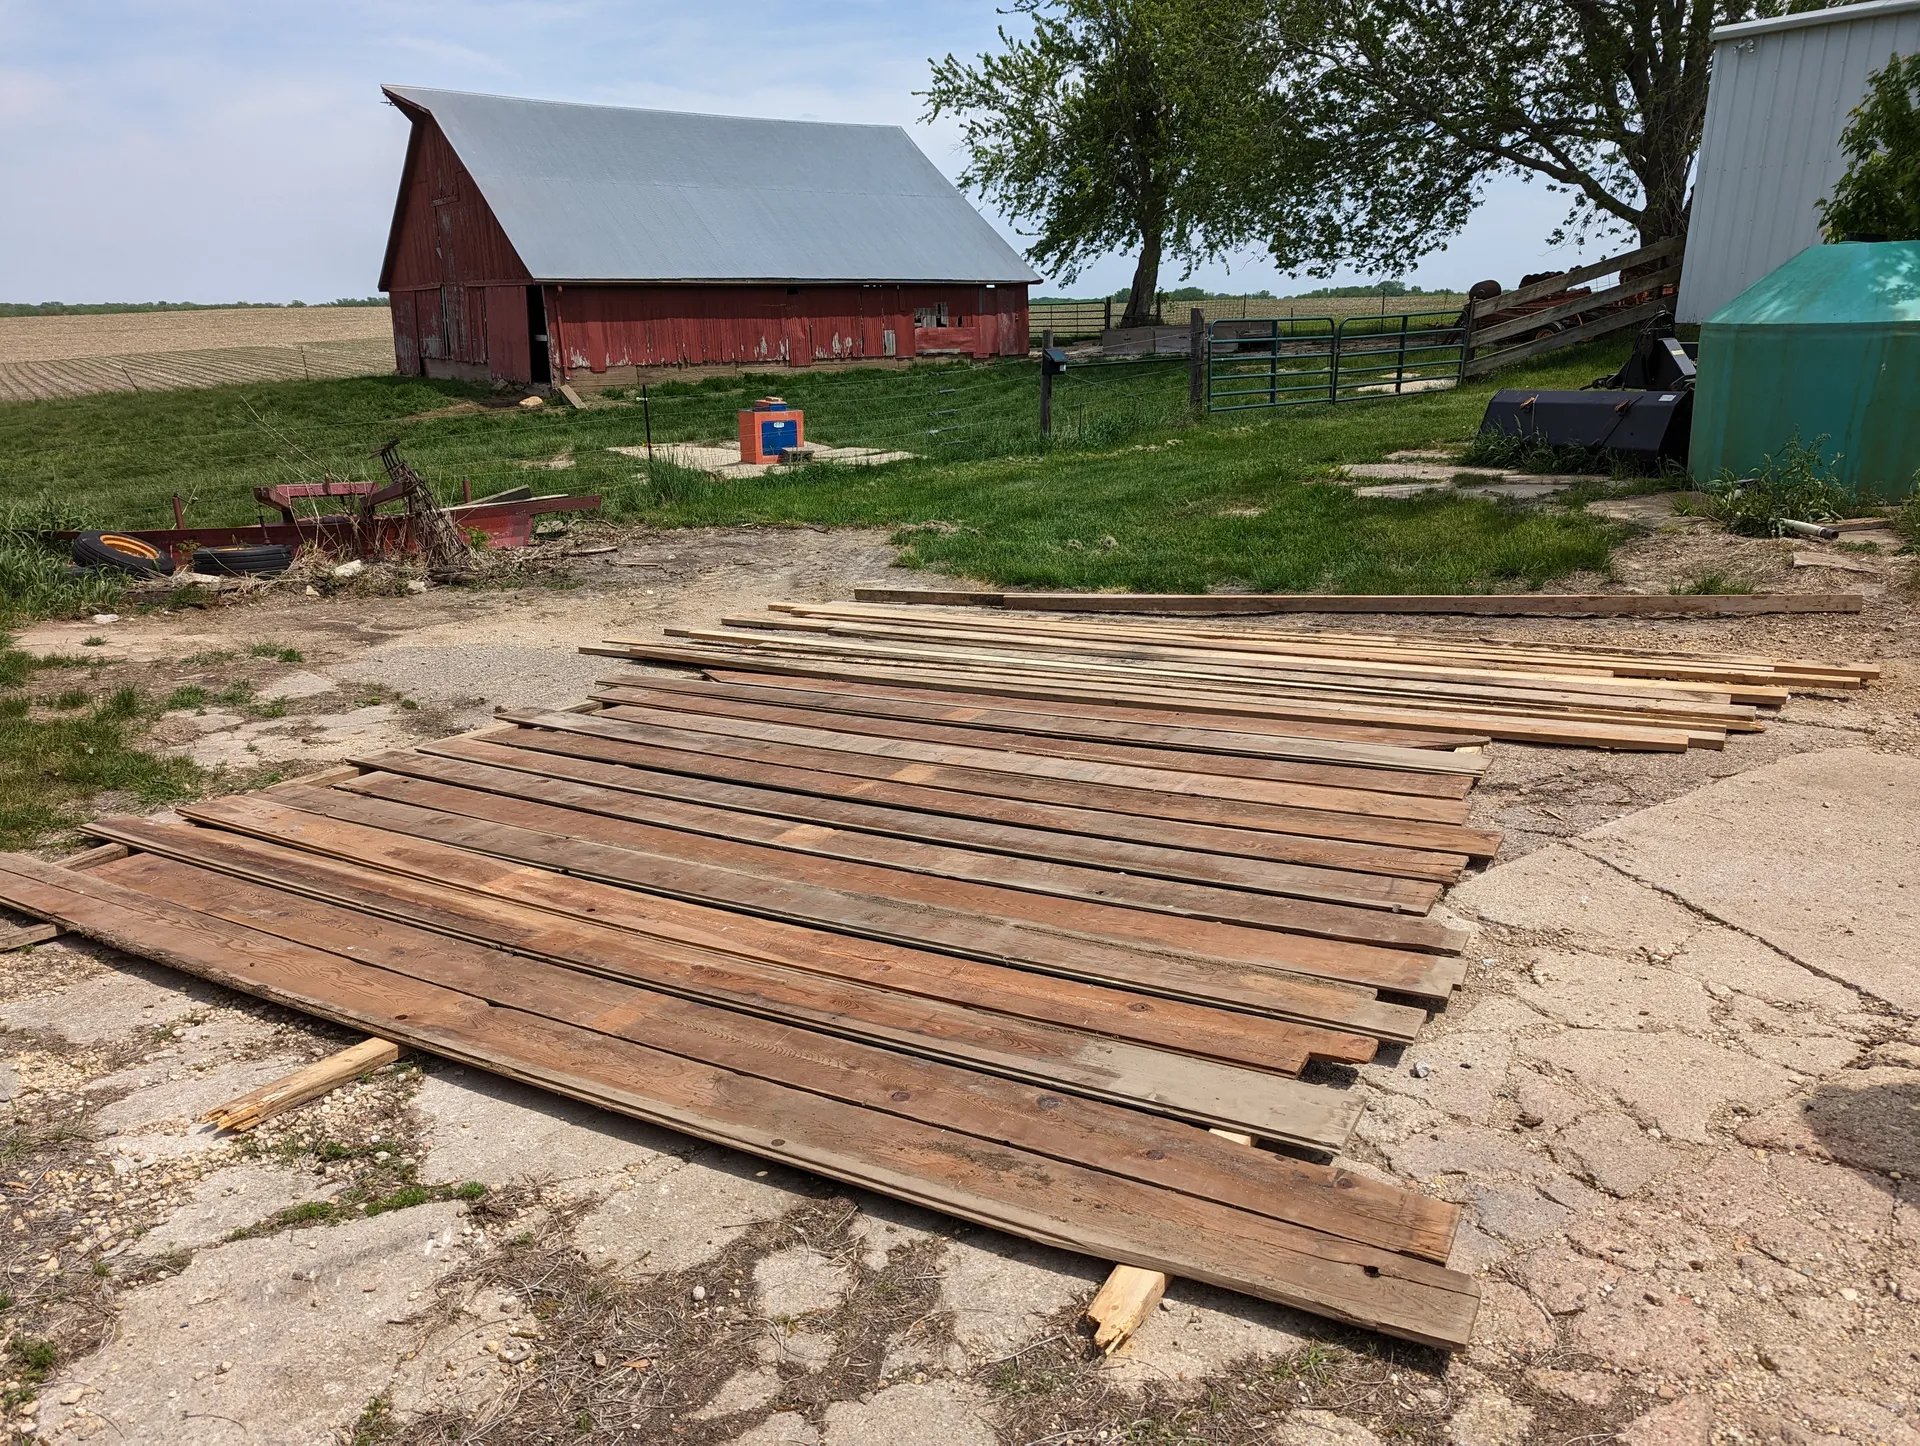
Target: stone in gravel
938 1413
1644 1071
231 1199
798 1281
308 1355
743 1391
1322 1428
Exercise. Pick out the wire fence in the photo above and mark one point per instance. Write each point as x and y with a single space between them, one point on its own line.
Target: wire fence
119 465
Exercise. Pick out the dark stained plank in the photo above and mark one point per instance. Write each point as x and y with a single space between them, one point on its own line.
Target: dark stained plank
1265 991
556 755
944 791
1006 1187
1296 916
962 721
1202 1091
383 872
740 873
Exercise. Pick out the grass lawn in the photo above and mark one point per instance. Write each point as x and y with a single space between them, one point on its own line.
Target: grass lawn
1129 495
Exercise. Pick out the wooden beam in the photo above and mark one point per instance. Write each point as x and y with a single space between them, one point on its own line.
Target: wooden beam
254 1107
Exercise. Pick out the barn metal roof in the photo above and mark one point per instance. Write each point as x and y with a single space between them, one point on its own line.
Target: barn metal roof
605 193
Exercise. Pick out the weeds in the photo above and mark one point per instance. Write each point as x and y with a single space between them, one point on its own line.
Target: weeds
37 578
1710 583
1797 483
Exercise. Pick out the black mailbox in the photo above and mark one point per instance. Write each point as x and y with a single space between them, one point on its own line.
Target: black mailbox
1053 361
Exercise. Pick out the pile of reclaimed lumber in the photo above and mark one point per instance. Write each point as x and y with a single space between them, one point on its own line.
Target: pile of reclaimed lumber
1399 690
1038 928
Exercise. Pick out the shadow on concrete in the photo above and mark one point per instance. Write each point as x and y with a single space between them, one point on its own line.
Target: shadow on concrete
1872 1126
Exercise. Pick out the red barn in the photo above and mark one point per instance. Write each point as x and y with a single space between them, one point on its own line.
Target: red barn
535 242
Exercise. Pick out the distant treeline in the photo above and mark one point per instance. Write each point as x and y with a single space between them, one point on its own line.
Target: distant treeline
91 308
1200 293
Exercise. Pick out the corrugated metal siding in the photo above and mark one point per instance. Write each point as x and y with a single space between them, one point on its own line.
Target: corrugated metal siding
602 327
610 194
1770 148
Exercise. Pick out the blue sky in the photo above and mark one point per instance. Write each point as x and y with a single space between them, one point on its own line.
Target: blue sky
212 150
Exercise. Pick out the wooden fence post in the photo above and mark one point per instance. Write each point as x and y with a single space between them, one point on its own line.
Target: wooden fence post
1197 360
1046 384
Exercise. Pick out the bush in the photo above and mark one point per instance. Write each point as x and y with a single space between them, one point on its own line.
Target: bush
1879 196
1797 484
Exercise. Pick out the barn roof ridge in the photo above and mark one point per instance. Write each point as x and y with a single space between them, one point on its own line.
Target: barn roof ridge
625 193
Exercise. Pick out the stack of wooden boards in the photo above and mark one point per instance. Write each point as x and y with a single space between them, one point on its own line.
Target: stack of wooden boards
1008 930
1404 689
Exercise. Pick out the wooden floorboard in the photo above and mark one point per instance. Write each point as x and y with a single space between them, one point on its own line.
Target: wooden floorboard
942 792
1002 1185
559 755
1088 885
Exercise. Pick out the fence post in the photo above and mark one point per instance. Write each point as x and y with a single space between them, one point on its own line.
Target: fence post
1273 362
1107 325
1466 335
1198 359
1046 384
1400 366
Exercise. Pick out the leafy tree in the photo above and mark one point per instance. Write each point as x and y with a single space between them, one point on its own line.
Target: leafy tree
1416 104
1880 193
1143 125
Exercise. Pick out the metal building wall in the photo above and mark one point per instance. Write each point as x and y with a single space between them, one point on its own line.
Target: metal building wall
1770 150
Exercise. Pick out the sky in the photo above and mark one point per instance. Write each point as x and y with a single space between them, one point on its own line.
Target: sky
240 150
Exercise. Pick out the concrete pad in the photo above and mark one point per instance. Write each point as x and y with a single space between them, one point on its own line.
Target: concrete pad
677 1214
111 1004
9 1083
938 1413
799 1281
1846 820
163 1120
1645 1071
1200 1332
1002 1291
784 1428
1869 1118
1725 958
297 685
1595 991
1560 893
481 1127
311 1323
232 1199
1322 1428
454 673
747 1390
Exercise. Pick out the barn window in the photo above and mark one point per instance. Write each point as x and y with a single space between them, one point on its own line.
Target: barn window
935 315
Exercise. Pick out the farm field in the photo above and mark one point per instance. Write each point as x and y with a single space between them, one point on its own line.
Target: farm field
70 356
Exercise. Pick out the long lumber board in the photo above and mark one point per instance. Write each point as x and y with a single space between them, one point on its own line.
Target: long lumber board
1461 729
1008 1186
418 879
579 759
1269 991
1245 714
1357 873
1008 775
1111 763
1571 698
381 922
740 875
1187 750
1507 605
1301 659
942 860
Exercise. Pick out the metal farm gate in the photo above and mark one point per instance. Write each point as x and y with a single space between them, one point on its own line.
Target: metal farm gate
1291 361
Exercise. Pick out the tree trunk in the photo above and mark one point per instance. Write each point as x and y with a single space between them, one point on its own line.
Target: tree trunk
1146 283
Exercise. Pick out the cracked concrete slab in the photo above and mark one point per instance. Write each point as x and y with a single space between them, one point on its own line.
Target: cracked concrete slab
1846 819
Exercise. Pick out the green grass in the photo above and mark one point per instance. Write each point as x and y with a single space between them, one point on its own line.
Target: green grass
1127 495
53 764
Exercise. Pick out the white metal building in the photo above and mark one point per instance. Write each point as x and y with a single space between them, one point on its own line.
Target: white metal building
1776 105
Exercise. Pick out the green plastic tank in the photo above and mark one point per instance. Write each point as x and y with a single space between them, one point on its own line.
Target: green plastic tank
1826 346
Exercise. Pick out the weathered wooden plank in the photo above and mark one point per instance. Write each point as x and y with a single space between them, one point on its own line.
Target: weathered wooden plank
942 860
568 756
1007 1187
1273 991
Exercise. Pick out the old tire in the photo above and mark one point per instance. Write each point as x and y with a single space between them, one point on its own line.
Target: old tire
117 552
260 559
